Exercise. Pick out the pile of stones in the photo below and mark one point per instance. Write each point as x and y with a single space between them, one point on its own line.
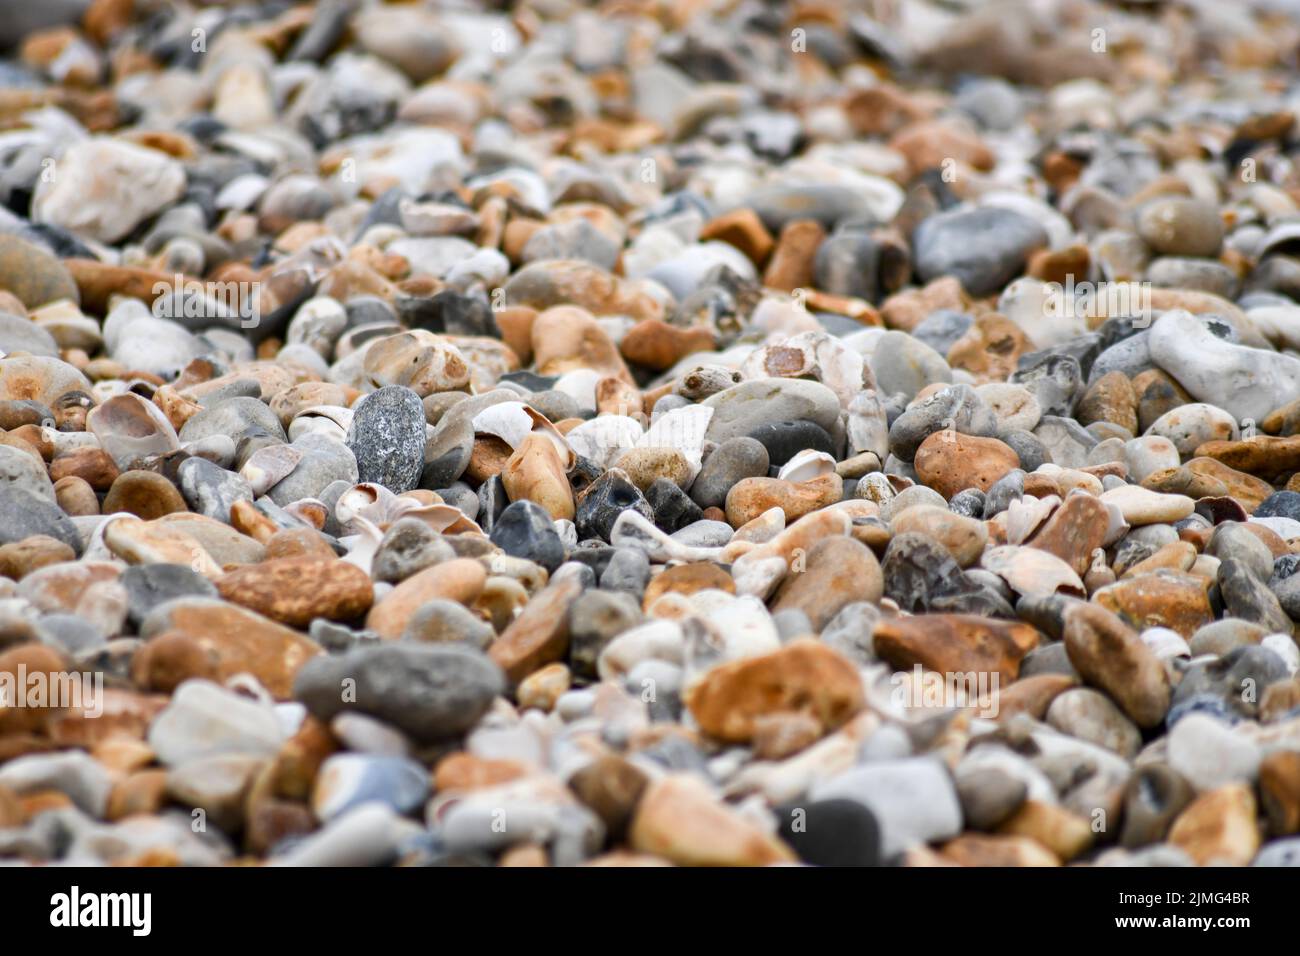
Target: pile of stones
649 433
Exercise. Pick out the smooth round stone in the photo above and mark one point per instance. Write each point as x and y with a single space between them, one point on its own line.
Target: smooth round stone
18 334
237 418
1014 406
203 719
387 438
24 514
831 832
595 619
628 570
33 275
145 494
229 388
1203 275
210 490
827 204
984 248
742 408
1091 716
1179 226
989 795
408 547
39 378
902 364
430 691
942 328
704 533
556 405
25 470
361 734
1223 636
441 621
1031 451
1149 454
1232 540
732 461
347 780
784 440
525 530
150 585
1209 754
913 800
912 497
992 101
1140 506
1194 424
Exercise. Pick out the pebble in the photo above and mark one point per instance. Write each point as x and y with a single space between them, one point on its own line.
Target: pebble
387 438
731 700
205 720
524 530
1210 755
590 419
985 248
428 691
1110 656
914 800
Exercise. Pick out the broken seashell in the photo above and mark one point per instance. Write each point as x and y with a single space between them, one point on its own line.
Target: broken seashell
1031 571
601 440
807 465
512 422
331 420
268 465
1026 514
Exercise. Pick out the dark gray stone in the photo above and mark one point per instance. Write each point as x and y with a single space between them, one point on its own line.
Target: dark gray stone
429 691
387 437
525 530
984 248
607 498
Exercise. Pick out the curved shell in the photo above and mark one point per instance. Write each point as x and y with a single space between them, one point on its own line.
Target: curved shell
1026 514
1031 571
370 503
807 465
603 439
512 422
332 420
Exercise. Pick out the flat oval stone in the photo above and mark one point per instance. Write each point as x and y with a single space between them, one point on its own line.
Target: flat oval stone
295 591
429 691
387 437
